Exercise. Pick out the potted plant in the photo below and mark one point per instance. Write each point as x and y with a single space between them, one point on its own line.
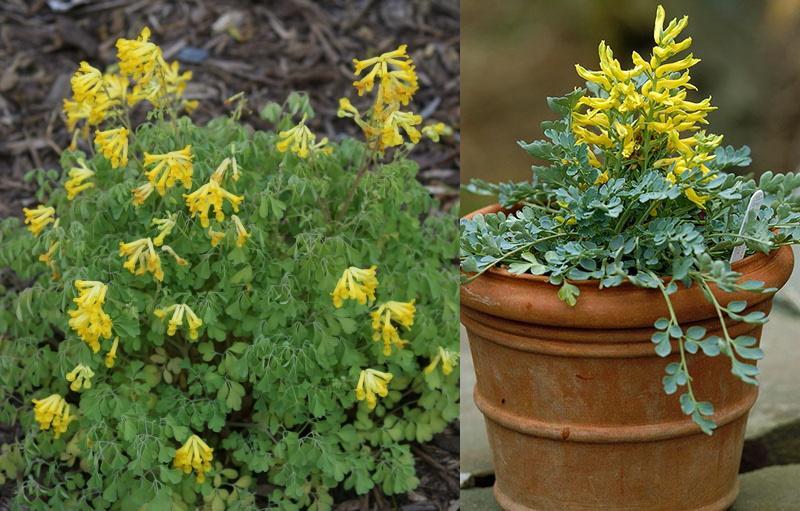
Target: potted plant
218 317
618 265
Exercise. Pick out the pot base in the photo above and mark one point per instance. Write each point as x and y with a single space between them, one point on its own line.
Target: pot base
725 502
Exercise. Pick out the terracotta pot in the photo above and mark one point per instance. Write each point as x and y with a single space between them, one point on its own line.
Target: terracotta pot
575 411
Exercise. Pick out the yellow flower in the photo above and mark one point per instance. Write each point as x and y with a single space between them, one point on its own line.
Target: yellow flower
194 455
114 145
216 236
395 121
38 218
178 311
346 109
141 193
111 356
52 411
602 178
383 320
448 359
81 377
395 69
178 259
86 82
47 258
436 130
143 253
89 320
356 284
169 168
241 232
301 141
372 383
625 133
165 226
138 57
208 195
77 175
76 111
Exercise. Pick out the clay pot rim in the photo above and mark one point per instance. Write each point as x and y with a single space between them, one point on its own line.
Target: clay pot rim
743 266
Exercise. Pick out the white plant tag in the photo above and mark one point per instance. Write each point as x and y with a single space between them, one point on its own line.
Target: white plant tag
752 208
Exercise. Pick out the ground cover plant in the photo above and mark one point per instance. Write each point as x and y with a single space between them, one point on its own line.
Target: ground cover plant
636 190
224 318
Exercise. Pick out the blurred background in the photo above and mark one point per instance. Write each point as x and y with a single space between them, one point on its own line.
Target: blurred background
518 52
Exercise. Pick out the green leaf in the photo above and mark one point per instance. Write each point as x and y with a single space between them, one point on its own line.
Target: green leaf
568 294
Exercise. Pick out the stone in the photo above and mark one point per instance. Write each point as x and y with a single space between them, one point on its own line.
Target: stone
478 499
769 489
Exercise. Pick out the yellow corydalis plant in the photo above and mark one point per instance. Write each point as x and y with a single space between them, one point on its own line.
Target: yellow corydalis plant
371 385
448 359
80 378
195 455
89 320
383 323
141 253
179 310
639 118
39 217
77 181
301 141
52 411
208 195
169 168
356 284
384 124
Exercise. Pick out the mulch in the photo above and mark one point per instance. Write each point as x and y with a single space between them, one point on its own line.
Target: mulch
266 50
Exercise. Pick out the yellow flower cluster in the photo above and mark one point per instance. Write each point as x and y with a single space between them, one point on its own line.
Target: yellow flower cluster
448 358
383 323
38 218
372 383
169 168
142 253
356 284
195 455
52 411
301 141
385 123
89 320
80 378
640 114
143 75
208 195
77 180
178 310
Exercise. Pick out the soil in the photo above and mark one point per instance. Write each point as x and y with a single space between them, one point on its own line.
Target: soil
264 50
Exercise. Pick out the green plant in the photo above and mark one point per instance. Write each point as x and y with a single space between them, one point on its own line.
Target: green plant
634 191
182 315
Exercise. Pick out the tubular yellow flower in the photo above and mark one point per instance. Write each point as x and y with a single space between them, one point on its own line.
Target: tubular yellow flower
395 69
216 236
178 259
208 195
114 145
169 168
86 82
301 141
241 233
383 320
111 356
165 226
142 253
80 378
448 358
38 218
76 111
77 175
138 57
436 130
395 121
372 383
194 455
179 310
356 284
89 320
52 411
141 193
